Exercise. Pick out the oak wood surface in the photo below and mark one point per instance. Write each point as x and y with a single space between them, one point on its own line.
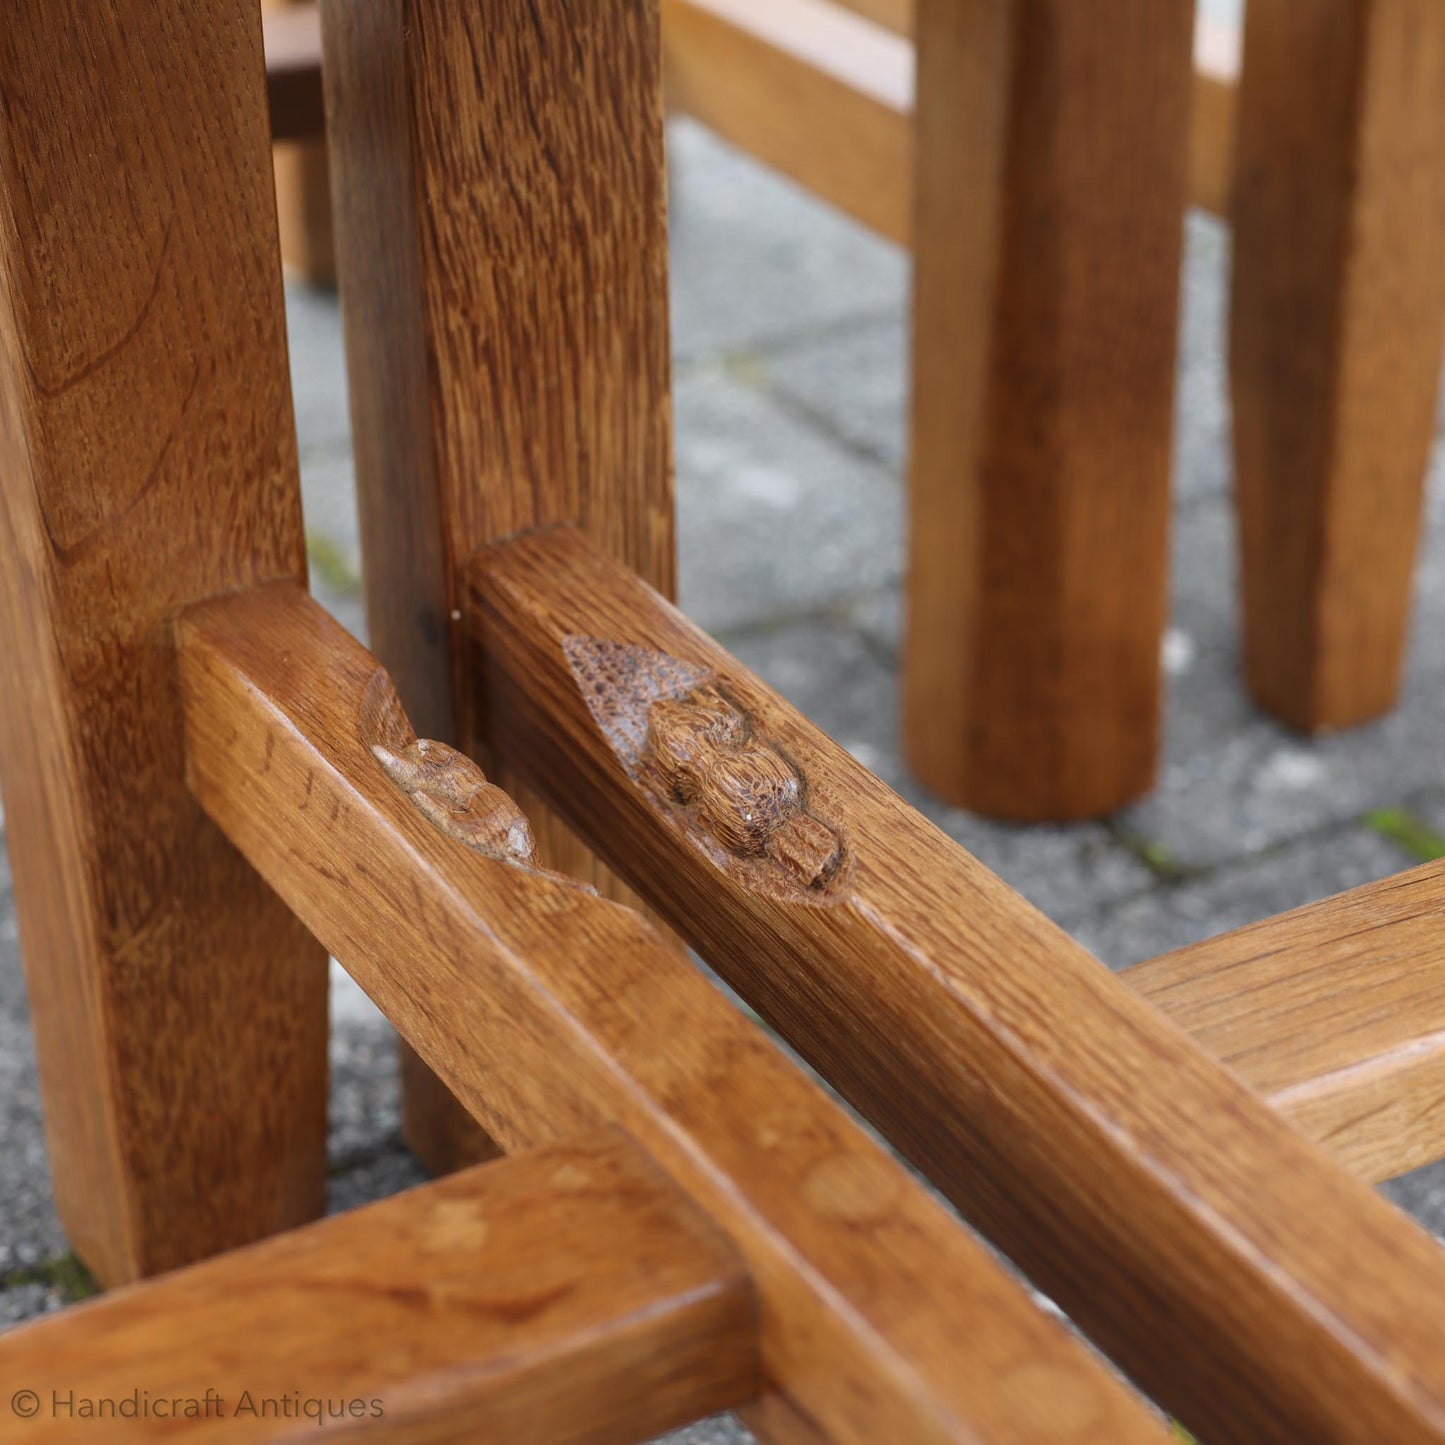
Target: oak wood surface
1337 318
292 44
1051 179
1334 1012
549 1010
569 1294
147 458
1254 1287
503 267
814 92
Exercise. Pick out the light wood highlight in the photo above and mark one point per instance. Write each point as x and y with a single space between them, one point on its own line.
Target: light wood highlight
1244 1278
147 458
549 1010
571 1294
500 193
1334 1012
1338 313
1051 184
814 92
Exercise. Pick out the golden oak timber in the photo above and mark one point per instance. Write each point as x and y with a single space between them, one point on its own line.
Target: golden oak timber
292 33
147 458
1334 1012
1051 157
1337 319
569 1294
500 195
550 1010
1256 1289
808 89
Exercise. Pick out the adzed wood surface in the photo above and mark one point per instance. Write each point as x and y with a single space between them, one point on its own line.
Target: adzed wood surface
147 458
550 1010
571 1294
1334 1012
1337 319
1251 1284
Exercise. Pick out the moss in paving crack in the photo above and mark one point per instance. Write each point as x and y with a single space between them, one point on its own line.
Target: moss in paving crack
66 1275
1407 832
1154 856
332 564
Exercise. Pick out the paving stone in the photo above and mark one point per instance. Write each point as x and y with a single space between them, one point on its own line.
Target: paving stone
1165 918
318 367
365 1110
853 383
838 680
380 1177
719 1430
773 518
1421 1194
27 1302
756 260
1202 454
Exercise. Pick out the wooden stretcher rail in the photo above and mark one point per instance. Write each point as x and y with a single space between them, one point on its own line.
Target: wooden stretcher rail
549 1010
1334 1012
1252 1285
826 97
572 1293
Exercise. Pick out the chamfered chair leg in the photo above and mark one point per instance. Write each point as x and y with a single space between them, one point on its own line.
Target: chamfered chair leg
507 341
1051 178
147 459
1338 314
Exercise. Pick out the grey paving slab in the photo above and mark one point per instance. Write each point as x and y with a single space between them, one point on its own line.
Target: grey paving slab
1202 457
379 1177
365 1090
1167 917
318 368
834 676
773 518
1422 1195
719 1430
27 1302
852 383
755 259
1234 781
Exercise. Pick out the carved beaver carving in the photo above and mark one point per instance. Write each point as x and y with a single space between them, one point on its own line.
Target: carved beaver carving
702 753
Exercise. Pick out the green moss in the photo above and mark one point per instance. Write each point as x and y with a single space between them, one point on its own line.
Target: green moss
331 563
66 1275
1407 832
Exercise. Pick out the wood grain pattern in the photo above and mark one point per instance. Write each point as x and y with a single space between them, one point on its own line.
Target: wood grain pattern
819 95
1254 1287
1051 184
550 1009
147 458
1337 318
1334 1012
503 271
570 1294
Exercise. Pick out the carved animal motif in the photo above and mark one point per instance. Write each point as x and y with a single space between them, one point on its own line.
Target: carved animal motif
451 790
695 750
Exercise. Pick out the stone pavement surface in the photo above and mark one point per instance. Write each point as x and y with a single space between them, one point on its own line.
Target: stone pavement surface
790 343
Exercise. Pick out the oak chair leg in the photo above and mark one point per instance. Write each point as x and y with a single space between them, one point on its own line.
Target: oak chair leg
507 341
147 460
1338 314
1051 177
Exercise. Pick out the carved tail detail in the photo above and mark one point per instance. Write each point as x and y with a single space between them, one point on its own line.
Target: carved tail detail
446 786
702 759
